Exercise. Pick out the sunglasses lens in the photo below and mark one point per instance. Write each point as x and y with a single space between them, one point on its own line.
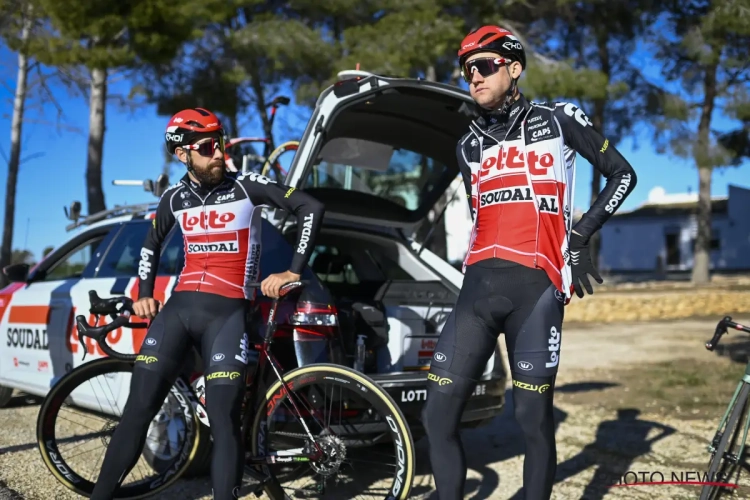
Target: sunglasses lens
485 66
207 148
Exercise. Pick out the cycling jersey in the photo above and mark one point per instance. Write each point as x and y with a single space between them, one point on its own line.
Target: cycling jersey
519 172
221 232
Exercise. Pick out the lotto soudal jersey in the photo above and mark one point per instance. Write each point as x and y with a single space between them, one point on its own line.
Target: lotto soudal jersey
519 171
221 231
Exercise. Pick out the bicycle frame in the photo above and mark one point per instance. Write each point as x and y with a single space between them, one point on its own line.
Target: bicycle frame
268 142
721 329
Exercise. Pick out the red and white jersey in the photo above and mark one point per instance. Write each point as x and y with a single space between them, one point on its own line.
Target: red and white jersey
221 232
519 177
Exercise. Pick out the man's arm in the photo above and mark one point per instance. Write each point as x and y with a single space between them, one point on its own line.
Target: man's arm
151 250
308 210
581 136
463 167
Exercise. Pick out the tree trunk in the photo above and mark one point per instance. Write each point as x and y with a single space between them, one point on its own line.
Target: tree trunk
260 103
701 153
14 162
97 127
598 119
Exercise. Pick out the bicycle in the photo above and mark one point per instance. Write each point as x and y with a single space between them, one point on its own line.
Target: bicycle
270 157
269 394
723 460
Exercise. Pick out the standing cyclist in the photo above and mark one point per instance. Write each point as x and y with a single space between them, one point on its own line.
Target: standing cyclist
219 214
524 258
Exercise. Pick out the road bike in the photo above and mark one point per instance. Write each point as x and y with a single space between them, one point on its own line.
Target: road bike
240 155
288 426
727 447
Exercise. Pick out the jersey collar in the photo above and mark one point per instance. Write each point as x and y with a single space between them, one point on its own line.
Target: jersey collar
494 119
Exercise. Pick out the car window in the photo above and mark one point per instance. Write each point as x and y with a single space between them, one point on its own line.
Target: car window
75 263
332 265
403 177
124 253
354 262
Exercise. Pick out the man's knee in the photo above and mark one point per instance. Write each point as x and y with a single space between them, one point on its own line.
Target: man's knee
533 403
225 389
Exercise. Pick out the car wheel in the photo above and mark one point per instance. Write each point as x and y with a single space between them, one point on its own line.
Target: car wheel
6 393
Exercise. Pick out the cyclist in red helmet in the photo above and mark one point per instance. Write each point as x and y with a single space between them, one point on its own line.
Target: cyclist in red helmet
525 259
219 214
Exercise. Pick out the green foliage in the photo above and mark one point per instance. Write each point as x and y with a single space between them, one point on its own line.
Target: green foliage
705 48
113 33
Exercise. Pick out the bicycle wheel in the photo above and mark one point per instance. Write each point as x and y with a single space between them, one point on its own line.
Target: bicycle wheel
276 155
369 431
163 460
723 462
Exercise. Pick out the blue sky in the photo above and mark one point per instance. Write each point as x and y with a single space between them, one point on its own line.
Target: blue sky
134 150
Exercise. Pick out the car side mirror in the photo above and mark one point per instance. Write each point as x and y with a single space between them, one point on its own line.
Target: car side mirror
148 186
162 183
17 273
74 212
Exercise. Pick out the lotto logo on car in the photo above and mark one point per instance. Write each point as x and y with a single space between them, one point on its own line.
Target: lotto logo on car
502 160
205 220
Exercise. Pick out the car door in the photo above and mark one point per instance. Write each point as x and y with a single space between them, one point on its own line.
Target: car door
115 275
40 313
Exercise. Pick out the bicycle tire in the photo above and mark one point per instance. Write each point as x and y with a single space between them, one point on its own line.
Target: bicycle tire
400 488
46 440
276 153
730 432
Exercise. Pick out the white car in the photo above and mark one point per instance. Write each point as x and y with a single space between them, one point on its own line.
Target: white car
379 152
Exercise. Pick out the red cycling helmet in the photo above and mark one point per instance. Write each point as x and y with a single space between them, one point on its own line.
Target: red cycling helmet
493 39
189 124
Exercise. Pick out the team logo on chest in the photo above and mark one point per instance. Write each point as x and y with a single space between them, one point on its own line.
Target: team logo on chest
513 158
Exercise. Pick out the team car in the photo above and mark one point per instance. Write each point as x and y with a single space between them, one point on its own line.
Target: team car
379 152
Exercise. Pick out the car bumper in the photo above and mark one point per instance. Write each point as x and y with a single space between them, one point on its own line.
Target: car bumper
409 390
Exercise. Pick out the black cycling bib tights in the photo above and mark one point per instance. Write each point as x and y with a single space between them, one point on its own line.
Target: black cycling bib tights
216 325
497 297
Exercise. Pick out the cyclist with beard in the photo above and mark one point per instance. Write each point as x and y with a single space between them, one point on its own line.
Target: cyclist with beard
219 214
525 258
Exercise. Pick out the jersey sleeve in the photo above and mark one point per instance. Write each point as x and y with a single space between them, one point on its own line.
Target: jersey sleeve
465 170
151 250
581 136
308 210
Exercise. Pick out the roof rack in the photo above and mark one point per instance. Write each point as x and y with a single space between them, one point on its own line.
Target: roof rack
118 211
156 188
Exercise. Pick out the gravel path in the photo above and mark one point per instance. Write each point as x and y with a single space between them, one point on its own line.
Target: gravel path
595 444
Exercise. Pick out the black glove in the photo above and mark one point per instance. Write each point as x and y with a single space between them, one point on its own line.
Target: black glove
580 262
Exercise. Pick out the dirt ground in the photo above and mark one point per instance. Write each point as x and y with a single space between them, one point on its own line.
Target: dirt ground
640 397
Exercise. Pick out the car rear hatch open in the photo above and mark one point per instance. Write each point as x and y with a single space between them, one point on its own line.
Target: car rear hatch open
382 150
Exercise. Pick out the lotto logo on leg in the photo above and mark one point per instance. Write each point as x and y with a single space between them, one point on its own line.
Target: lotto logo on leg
554 348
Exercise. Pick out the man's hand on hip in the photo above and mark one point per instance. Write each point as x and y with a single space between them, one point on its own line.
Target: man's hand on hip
581 264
